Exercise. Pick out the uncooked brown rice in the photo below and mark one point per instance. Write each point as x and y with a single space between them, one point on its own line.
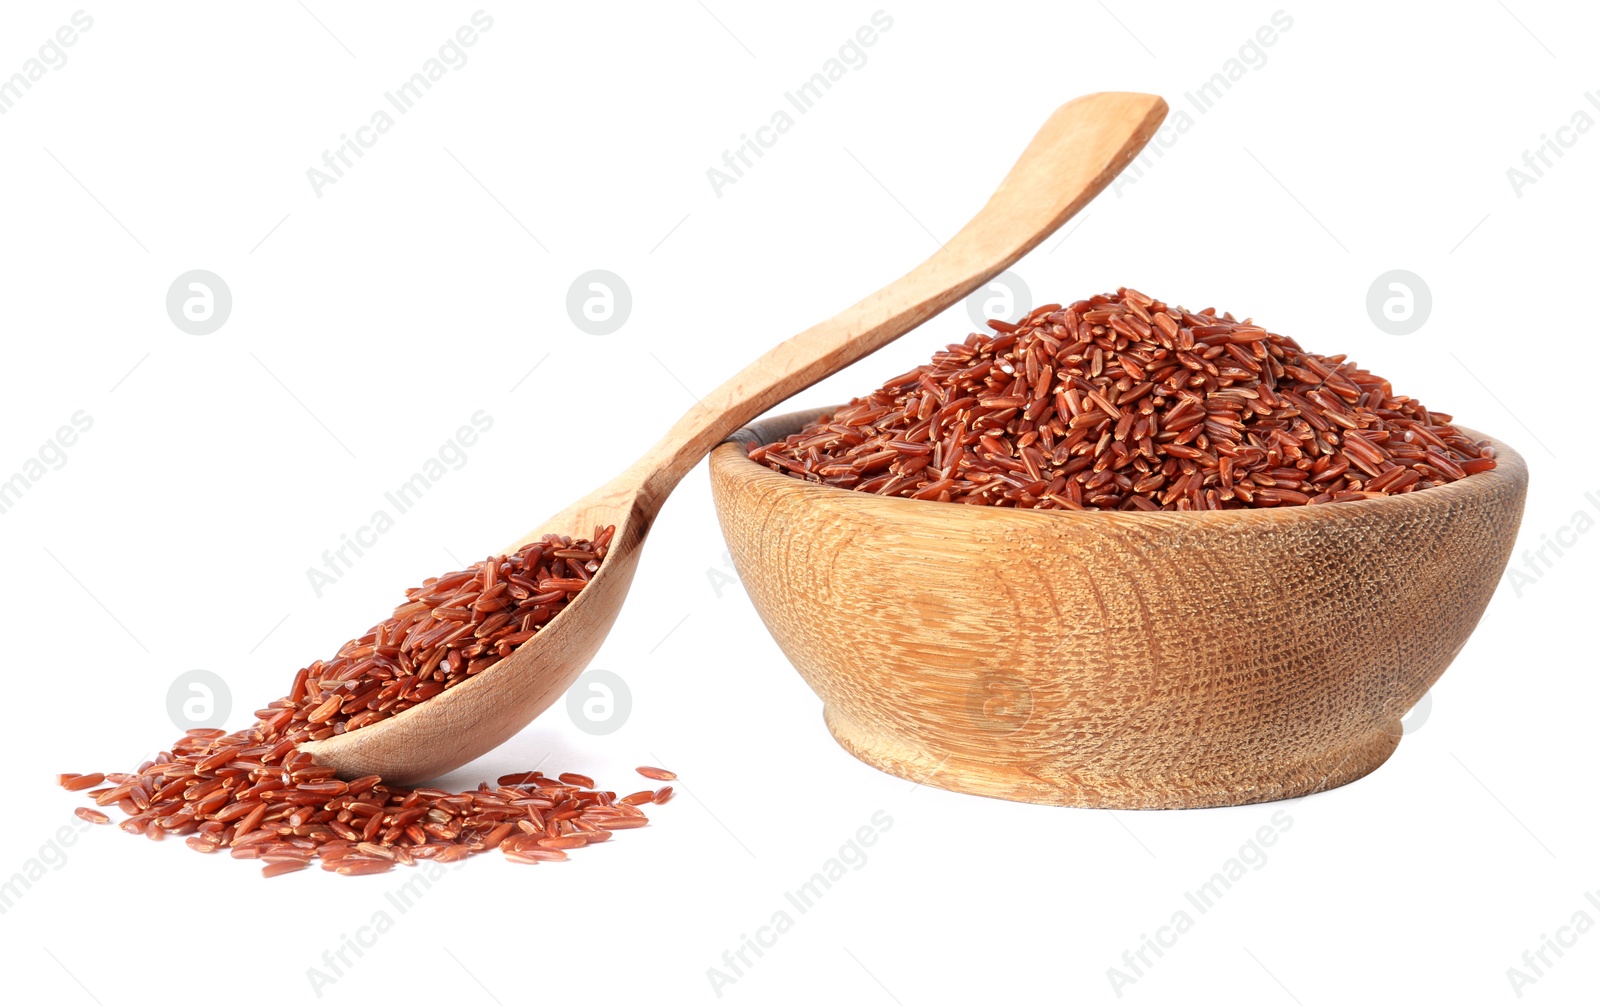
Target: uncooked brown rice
254 793
1121 402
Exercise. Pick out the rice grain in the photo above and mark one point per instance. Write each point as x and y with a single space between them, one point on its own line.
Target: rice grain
256 794
1122 402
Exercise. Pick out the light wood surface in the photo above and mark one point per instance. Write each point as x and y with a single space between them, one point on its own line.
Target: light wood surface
1119 659
1077 152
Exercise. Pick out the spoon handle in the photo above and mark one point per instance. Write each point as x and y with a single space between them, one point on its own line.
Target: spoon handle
1077 152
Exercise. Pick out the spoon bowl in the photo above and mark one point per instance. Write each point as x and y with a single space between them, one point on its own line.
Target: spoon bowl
1079 150
489 708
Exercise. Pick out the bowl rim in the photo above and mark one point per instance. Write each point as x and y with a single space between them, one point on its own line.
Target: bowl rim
1509 474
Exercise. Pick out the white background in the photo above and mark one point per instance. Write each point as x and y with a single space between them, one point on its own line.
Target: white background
371 321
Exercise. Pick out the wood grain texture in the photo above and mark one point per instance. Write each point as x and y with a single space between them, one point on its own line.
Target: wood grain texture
1121 659
1075 154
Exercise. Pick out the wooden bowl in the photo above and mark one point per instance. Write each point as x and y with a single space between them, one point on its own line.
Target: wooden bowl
1116 659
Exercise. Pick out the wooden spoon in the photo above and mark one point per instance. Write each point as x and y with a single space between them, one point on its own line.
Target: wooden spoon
1082 146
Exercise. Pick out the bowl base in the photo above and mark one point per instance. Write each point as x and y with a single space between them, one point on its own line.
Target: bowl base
1233 786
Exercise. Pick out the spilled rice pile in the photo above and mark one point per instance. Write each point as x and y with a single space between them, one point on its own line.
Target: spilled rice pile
255 795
